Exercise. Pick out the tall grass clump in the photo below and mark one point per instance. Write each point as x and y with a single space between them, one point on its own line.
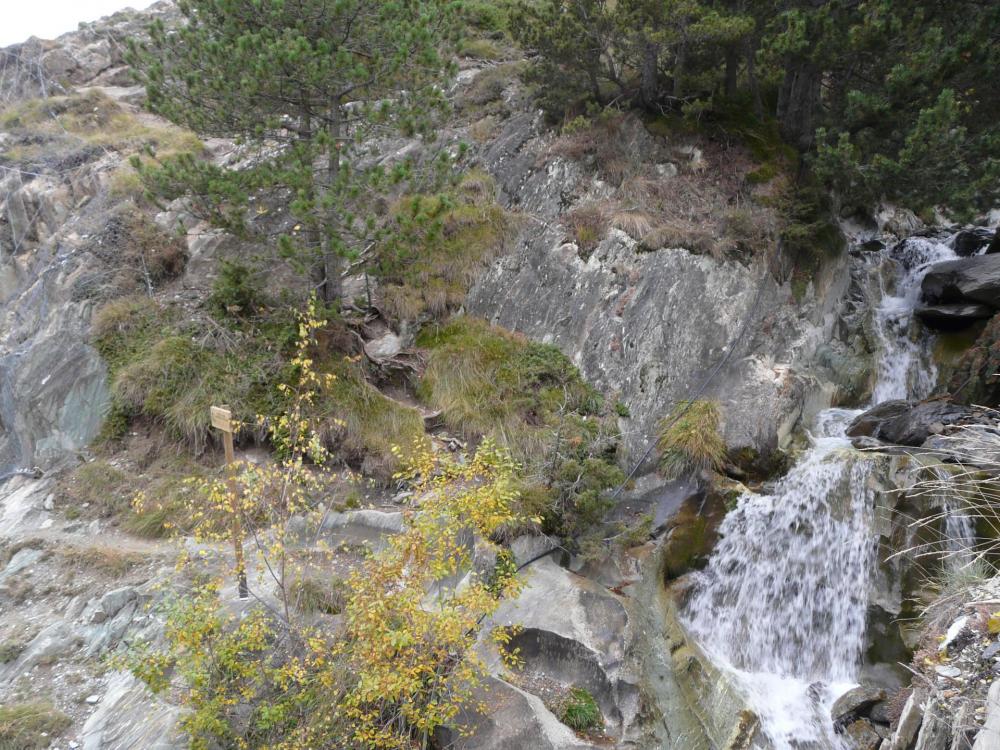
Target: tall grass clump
689 439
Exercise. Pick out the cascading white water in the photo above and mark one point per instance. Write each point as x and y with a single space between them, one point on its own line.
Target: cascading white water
783 600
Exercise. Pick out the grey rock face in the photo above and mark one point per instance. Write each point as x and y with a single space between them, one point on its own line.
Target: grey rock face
975 279
652 327
649 328
128 716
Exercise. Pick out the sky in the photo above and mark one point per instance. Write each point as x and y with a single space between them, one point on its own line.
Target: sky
47 19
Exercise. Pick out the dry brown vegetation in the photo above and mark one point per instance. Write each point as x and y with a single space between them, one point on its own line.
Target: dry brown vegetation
698 197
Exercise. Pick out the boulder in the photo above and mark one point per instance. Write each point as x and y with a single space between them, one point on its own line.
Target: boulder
863 735
994 246
989 736
953 316
971 241
911 423
516 720
975 279
909 723
854 704
935 731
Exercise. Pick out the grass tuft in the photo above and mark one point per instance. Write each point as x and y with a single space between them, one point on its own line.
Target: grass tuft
635 224
313 596
693 443
30 726
367 423
580 711
489 381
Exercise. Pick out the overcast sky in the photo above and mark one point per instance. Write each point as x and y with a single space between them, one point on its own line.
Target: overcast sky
47 19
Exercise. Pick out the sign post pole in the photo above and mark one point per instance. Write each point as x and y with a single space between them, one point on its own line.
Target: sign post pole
222 420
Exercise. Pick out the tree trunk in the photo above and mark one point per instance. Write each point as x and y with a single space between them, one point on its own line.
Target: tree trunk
650 85
680 64
330 287
751 57
732 71
798 101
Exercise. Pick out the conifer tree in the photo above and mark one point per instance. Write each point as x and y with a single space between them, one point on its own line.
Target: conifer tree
301 84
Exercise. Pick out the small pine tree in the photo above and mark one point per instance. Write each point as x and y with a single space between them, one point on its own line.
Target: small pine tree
300 85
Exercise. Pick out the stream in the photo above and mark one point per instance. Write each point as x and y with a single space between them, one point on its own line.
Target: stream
782 603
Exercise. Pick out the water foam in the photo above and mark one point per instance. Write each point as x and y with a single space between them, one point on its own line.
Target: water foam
783 601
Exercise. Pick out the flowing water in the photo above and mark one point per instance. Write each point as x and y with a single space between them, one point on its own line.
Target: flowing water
783 600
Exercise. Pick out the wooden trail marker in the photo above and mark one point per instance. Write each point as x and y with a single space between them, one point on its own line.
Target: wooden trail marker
222 420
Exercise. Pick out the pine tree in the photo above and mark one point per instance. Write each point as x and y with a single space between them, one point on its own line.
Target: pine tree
300 84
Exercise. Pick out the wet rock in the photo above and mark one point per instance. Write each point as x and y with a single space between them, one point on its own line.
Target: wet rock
994 246
975 279
953 316
880 714
855 703
871 246
911 423
863 735
971 241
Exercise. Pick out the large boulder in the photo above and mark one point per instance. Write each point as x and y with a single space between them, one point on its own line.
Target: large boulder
971 241
911 423
955 315
975 279
855 704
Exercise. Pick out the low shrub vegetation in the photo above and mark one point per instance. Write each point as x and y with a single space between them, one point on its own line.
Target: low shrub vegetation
529 398
438 246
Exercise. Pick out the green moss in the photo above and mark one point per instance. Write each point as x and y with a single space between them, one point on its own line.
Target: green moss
580 711
30 726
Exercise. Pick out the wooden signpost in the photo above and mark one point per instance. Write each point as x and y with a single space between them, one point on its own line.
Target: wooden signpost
222 420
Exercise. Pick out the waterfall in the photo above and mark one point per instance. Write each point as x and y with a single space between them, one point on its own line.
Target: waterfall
782 602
